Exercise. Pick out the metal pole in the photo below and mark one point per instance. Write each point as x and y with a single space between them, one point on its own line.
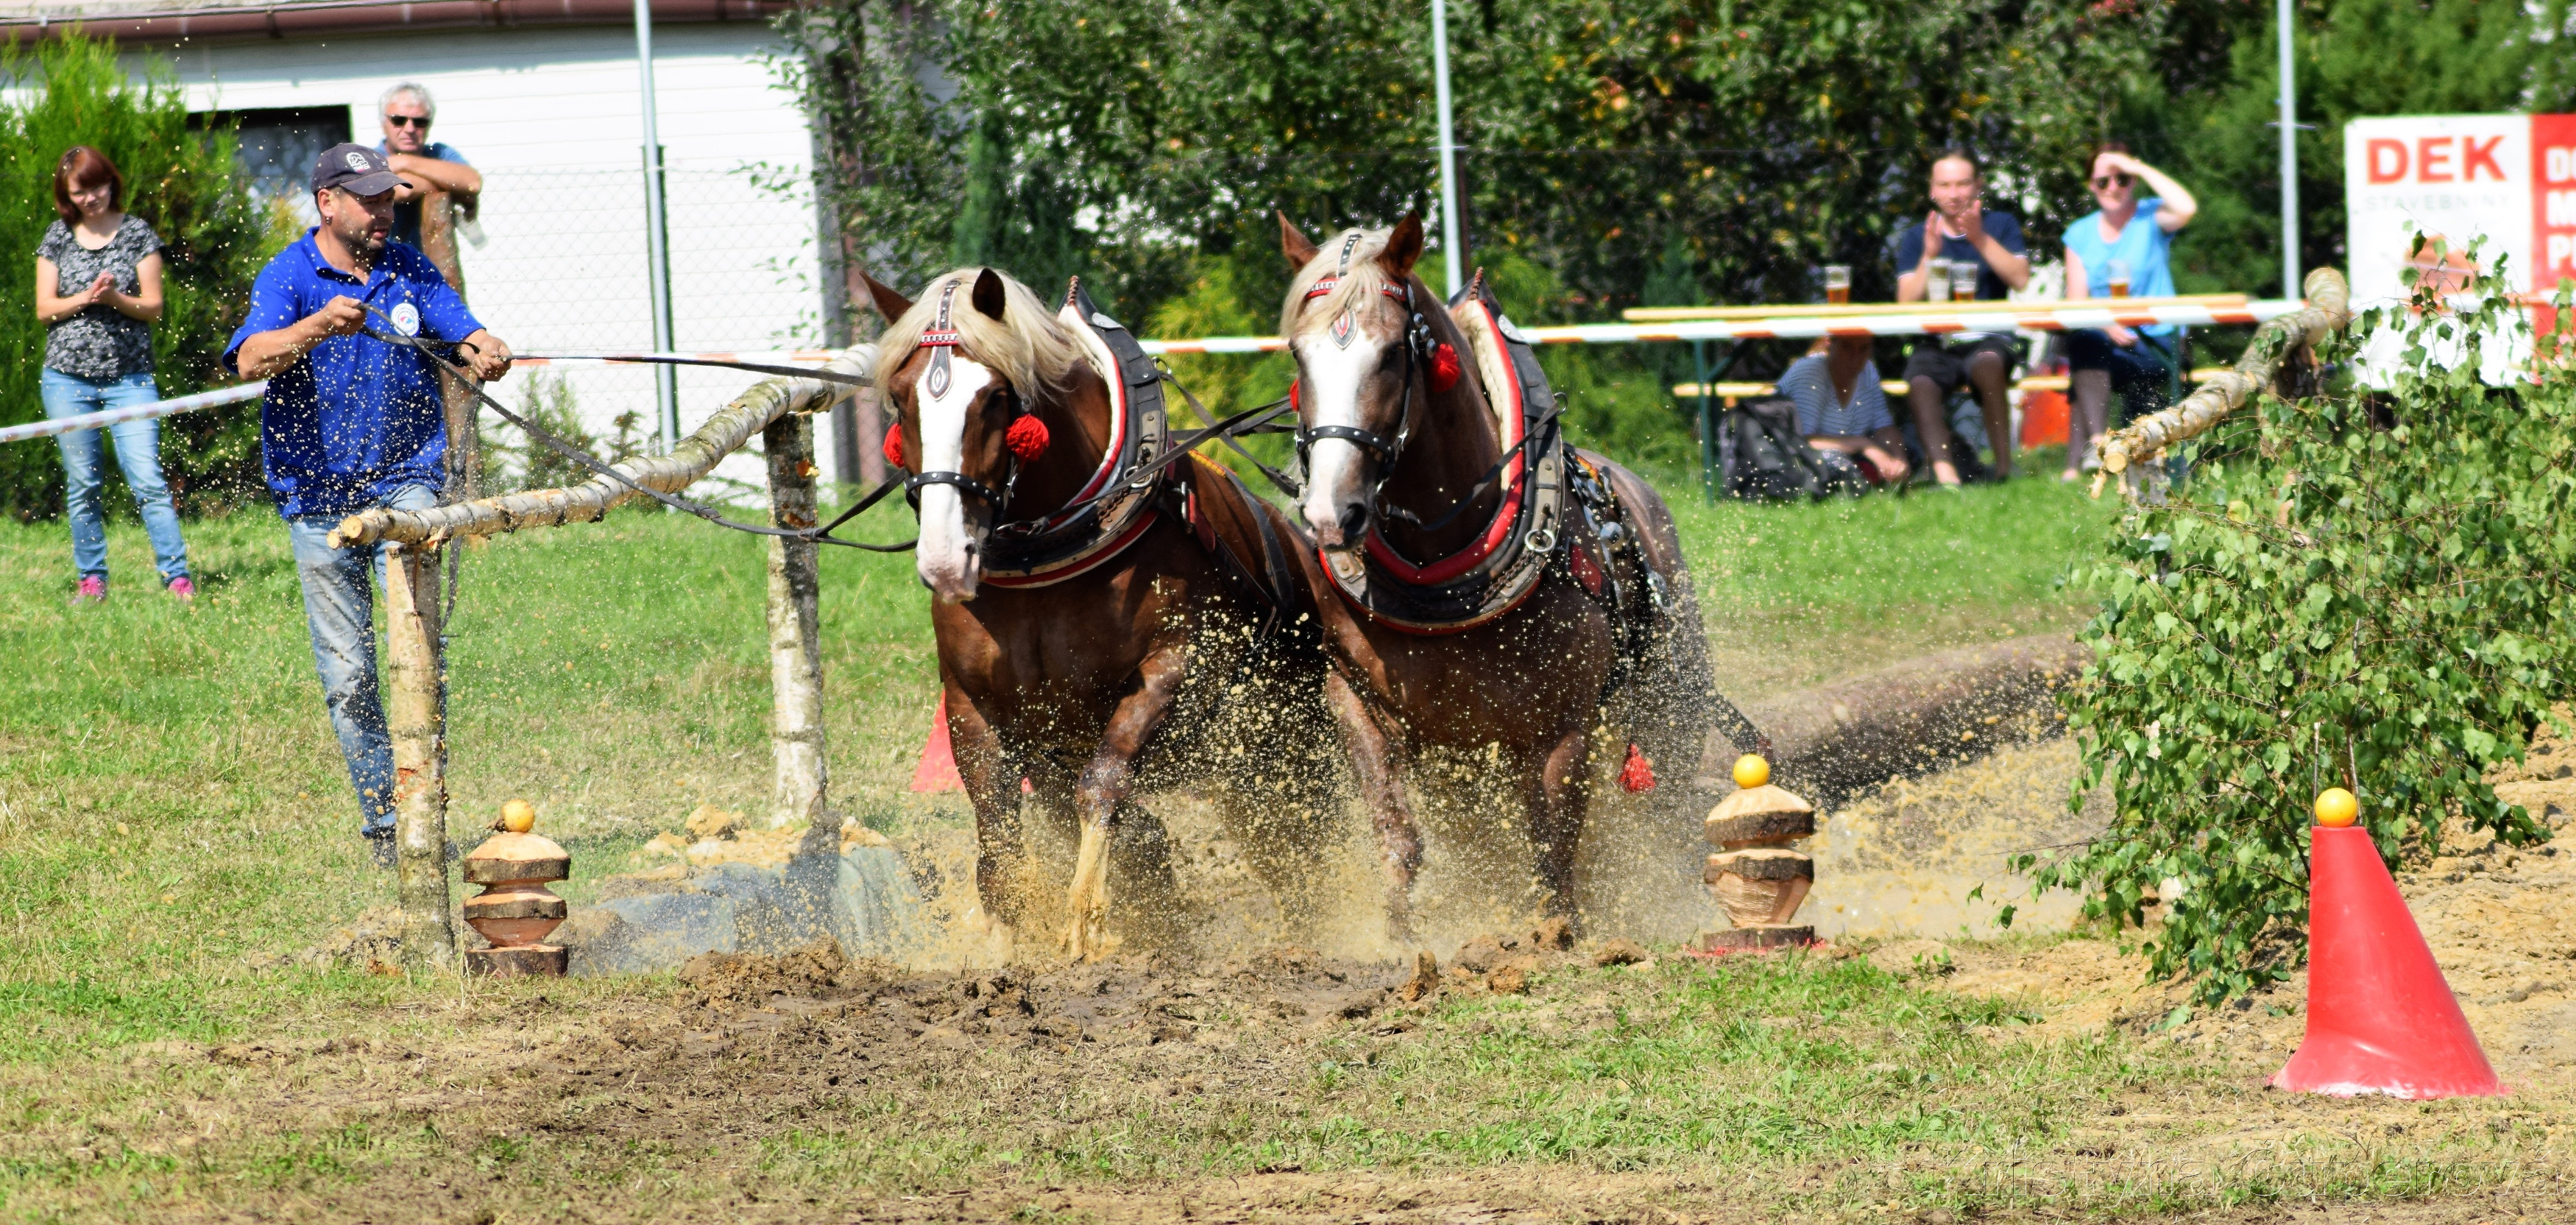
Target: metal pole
657 235
1453 237
1707 423
2289 159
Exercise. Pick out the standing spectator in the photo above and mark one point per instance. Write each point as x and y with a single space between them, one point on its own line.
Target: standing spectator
351 421
98 292
1980 360
1842 408
425 165
2125 242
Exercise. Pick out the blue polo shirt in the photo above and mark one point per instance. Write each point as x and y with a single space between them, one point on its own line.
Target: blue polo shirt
355 418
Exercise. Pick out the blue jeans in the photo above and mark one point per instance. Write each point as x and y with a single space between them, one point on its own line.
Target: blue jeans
138 452
340 610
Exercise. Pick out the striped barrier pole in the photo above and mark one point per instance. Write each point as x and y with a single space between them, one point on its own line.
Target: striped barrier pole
1790 325
137 412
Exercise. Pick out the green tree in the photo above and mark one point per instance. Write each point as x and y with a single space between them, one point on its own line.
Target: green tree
1729 146
181 181
2330 601
2355 58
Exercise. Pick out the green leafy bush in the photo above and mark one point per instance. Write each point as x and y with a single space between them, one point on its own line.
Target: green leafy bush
180 181
2364 589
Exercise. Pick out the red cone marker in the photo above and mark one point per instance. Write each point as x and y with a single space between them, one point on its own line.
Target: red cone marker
2381 1018
938 768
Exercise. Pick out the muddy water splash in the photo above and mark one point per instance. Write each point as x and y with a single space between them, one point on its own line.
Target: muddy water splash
1900 860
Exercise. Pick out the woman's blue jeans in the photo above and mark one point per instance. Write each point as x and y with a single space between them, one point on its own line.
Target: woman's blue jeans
138 452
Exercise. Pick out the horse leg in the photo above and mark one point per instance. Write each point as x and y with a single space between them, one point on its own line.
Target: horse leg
1104 786
1377 765
994 789
1558 792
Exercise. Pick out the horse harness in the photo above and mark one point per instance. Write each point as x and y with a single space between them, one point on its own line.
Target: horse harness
1142 477
1498 571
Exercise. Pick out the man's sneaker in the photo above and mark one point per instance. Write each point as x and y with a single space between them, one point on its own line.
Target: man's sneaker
93 590
184 588
382 846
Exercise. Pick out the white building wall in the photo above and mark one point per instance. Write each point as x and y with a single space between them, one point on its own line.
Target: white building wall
553 119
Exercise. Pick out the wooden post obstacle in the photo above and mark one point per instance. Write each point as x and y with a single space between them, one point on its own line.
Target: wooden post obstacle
779 410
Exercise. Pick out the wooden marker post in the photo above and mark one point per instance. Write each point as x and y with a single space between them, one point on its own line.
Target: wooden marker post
799 779
413 718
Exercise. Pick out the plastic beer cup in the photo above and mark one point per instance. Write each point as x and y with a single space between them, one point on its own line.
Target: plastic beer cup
1936 281
1837 283
1963 279
2118 273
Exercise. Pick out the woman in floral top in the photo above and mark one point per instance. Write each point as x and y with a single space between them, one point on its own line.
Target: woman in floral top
98 291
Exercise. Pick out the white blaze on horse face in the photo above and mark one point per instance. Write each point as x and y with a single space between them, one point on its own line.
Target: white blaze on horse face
945 559
1336 468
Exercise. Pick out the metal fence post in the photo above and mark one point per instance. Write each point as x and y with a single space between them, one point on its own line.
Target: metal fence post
1707 423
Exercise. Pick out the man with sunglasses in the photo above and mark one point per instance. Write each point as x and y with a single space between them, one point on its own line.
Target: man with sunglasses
1991 242
424 164
2121 249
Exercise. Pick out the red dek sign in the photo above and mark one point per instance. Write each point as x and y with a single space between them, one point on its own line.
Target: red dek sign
2510 179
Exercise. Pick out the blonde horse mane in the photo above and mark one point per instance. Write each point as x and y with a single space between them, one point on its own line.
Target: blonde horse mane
1028 346
1359 287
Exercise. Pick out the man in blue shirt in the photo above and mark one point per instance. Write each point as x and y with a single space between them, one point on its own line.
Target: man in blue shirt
425 165
1991 243
351 421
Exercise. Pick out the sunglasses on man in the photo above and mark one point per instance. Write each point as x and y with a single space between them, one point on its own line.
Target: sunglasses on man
2112 180
411 121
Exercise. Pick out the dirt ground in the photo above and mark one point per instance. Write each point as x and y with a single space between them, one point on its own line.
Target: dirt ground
812 1088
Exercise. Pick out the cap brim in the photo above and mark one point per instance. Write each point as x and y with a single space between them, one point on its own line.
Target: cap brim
370 184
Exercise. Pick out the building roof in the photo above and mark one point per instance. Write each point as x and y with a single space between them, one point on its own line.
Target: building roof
168 21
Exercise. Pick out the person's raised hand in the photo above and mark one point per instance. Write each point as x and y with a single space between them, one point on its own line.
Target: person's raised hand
486 355
341 316
2125 164
1934 225
1972 220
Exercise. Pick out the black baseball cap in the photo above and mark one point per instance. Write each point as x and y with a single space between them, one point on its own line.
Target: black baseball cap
356 169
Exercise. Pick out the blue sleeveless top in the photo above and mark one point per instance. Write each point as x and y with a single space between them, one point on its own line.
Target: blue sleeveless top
2142 243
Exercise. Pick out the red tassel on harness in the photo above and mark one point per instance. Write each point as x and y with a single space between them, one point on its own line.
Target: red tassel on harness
1444 369
1027 438
1638 774
894 444
1292 396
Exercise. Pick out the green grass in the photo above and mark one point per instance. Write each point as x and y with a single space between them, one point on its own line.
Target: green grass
172 802
173 810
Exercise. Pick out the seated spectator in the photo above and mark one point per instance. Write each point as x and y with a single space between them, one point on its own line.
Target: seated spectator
1983 361
1842 408
2131 238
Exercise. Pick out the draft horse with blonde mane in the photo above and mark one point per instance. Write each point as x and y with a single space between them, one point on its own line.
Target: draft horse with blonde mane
1112 617
1489 590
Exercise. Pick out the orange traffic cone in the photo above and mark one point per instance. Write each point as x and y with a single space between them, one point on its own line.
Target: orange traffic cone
2381 1018
937 770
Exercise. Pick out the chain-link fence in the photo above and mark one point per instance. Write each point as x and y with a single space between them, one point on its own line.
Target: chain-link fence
562 265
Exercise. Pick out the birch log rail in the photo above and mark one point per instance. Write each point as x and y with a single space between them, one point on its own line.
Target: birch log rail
2289 340
722 435
774 409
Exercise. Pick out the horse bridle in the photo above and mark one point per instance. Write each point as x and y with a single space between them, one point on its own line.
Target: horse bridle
1418 344
941 339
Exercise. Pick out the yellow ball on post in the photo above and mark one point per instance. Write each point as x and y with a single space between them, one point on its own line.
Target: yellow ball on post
2337 808
518 816
1752 771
